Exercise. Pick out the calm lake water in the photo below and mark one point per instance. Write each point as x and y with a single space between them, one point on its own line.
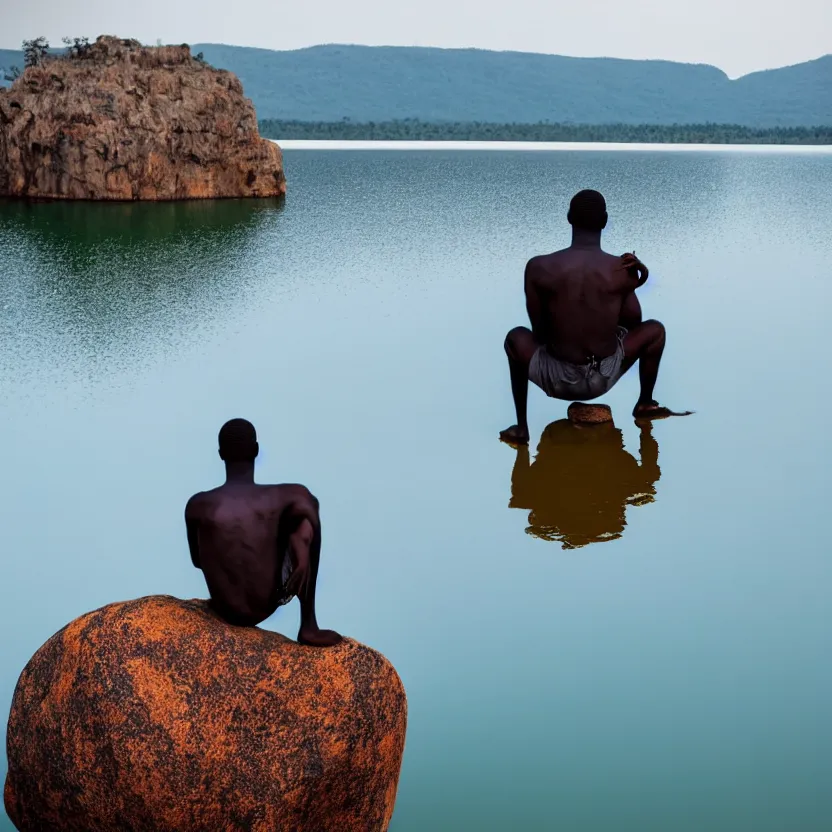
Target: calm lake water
615 631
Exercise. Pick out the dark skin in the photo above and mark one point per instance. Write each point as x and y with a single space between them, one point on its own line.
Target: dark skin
239 534
576 298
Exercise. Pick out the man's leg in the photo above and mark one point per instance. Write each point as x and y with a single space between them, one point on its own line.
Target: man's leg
645 343
305 543
520 346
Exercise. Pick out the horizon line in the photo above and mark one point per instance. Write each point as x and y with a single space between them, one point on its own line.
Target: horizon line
508 146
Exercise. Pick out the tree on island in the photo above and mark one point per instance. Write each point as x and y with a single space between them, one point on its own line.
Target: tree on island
34 51
77 47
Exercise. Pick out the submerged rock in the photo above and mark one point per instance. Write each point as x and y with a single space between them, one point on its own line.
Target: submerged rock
155 714
124 121
580 413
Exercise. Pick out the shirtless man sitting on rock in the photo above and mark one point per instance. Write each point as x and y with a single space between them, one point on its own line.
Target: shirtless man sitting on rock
586 327
257 545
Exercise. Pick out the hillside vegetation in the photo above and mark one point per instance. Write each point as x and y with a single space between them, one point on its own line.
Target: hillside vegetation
412 130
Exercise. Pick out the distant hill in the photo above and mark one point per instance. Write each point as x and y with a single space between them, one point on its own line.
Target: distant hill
374 83
328 83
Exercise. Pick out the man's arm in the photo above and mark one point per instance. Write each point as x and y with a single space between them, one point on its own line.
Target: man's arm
534 307
630 315
192 529
637 274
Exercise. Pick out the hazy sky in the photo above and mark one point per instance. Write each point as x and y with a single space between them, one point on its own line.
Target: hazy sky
738 36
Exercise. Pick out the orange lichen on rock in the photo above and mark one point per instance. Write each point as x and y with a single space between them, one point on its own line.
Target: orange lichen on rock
156 714
129 122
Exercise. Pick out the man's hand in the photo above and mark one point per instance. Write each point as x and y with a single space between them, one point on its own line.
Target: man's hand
634 267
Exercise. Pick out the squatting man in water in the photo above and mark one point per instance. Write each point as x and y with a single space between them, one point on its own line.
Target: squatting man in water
257 545
586 323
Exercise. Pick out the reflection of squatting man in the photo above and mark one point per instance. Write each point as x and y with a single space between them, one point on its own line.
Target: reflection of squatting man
577 489
257 545
586 327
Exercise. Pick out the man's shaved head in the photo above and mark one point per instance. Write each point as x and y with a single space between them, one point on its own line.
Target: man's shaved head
588 211
238 441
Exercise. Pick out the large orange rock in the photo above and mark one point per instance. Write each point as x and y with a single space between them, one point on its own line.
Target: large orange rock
155 714
126 122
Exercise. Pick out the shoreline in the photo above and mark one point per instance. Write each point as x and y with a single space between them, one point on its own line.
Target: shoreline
367 144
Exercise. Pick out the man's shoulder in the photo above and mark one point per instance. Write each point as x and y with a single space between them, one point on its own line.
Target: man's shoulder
541 265
196 502
610 259
544 260
290 491
204 498
543 269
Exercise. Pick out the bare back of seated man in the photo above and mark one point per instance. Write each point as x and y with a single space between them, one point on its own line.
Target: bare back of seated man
257 545
586 323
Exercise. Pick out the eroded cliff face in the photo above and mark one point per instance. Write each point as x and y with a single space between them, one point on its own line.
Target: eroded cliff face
128 122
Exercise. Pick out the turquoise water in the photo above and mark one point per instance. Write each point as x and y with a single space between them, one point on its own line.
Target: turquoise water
627 633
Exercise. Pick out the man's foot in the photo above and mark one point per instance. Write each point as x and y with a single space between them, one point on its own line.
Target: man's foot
315 637
515 435
653 410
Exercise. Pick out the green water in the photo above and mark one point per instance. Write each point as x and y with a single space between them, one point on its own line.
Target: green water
631 633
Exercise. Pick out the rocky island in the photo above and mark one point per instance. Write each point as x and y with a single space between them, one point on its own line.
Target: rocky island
155 714
122 121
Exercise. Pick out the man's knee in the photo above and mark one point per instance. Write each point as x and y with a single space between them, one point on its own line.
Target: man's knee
658 334
516 340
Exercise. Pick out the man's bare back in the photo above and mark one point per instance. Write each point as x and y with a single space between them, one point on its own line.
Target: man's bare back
257 545
579 295
244 531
